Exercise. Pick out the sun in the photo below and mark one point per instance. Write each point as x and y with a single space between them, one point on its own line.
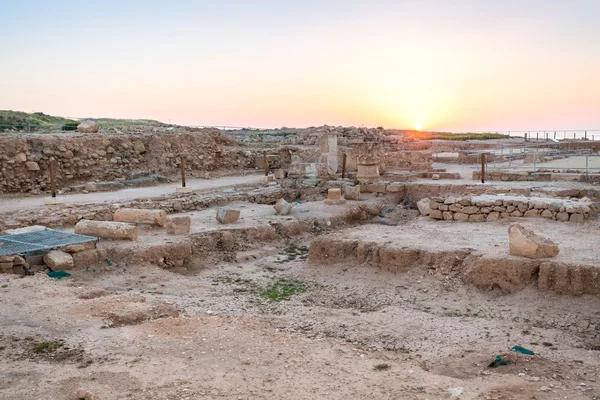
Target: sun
419 126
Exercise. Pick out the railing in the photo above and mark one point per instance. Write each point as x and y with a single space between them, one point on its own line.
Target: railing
589 163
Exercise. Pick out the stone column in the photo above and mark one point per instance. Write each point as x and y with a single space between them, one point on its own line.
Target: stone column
329 161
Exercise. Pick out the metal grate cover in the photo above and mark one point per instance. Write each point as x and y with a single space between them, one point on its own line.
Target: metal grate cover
46 239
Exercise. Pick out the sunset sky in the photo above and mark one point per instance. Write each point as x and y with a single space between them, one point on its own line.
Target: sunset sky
449 65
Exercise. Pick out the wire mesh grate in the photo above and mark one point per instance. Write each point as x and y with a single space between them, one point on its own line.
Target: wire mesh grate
46 239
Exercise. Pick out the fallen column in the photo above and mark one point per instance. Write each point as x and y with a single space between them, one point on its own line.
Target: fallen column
141 216
107 229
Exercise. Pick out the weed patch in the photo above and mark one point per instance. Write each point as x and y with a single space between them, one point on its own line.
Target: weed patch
283 289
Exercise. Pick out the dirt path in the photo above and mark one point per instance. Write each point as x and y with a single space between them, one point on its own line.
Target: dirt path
11 203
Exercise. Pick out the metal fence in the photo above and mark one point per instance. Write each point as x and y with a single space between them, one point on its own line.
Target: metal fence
579 158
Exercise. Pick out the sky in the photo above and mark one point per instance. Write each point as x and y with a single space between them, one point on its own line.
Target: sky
453 65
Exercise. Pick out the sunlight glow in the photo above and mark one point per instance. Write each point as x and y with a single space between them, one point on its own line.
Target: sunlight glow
419 126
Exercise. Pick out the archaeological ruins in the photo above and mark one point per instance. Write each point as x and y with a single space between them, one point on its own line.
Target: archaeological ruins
331 262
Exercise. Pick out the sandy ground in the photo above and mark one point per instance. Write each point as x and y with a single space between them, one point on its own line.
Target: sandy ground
575 162
12 203
213 330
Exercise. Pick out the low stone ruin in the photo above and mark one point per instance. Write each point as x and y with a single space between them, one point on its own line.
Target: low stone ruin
487 208
523 242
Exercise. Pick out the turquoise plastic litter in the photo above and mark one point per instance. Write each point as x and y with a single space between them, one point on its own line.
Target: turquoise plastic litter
522 350
58 274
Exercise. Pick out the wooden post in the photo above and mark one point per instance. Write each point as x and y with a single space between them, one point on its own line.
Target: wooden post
585 137
482 167
344 166
266 163
52 180
182 169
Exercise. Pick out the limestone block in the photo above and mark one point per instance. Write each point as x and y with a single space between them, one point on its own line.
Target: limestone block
76 248
228 215
562 216
547 214
516 213
6 266
492 216
531 213
435 177
450 200
107 229
334 196
434 205
179 225
282 207
448 216
436 214
460 216
554 206
7 259
141 216
395 187
32 166
88 127
279 173
423 206
455 207
352 192
470 210
87 258
57 259
524 242
18 260
26 229
21 157
367 173
576 218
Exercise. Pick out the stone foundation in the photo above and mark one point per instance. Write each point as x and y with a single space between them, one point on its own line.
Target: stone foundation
487 208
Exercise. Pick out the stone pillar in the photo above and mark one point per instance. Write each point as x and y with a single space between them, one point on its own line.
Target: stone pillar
368 161
329 161
141 216
107 229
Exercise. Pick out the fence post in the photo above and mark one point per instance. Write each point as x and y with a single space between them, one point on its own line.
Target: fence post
537 136
29 125
534 174
344 166
482 167
182 168
52 179
554 134
585 136
587 176
266 163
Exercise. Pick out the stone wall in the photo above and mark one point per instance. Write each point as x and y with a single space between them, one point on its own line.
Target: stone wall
80 158
409 160
487 208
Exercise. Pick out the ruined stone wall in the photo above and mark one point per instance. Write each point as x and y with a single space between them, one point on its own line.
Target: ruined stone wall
79 158
409 160
488 208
